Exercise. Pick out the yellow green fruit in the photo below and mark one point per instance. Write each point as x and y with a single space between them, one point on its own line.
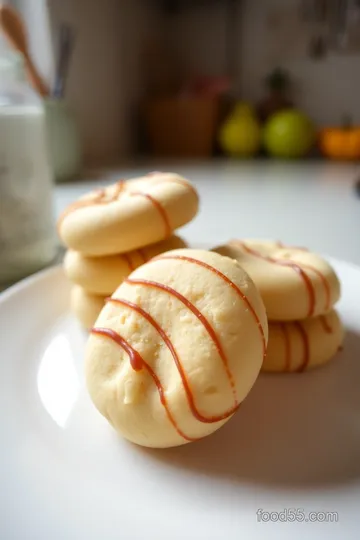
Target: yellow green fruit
288 134
240 135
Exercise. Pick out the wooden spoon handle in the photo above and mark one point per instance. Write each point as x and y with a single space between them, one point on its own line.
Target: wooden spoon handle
13 26
35 78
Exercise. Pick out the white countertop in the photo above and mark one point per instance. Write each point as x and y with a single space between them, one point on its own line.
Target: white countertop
310 204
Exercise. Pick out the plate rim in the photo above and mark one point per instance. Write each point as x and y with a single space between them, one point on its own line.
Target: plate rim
29 280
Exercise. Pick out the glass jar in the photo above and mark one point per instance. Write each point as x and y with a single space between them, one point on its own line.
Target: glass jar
27 235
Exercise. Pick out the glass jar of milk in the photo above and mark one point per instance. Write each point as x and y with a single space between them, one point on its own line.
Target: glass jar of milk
27 237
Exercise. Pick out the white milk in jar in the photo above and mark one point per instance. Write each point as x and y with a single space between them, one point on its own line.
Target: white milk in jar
27 236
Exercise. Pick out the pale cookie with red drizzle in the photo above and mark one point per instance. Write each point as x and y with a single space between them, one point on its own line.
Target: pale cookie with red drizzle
294 283
177 348
301 345
85 306
128 215
102 275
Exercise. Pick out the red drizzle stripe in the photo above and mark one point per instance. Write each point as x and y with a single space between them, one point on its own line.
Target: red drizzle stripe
170 346
182 183
127 258
204 322
143 255
160 209
82 203
285 333
119 188
138 363
307 281
283 246
298 269
324 283
172 180
325 324
228 281
306 346
98 199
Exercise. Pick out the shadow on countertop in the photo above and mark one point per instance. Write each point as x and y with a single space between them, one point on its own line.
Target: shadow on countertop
295 431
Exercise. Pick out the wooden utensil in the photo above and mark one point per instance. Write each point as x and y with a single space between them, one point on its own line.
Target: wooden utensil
14 29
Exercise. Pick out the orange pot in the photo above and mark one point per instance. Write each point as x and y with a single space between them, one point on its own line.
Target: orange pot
340 143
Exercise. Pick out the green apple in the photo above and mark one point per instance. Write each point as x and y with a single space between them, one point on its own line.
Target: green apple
240 135
288 134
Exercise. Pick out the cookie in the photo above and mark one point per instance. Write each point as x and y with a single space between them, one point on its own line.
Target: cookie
85 306
177 348
294 283
301 345
128 215
102 275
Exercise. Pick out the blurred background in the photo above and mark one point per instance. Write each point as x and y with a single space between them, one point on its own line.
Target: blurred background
256 102
202 78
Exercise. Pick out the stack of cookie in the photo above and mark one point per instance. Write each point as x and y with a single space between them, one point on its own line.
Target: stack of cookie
180 343
299 290
112 231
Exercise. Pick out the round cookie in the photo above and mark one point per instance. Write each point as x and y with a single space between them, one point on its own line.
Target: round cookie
177 348
302 345
294 283
128 215
102 275
85 306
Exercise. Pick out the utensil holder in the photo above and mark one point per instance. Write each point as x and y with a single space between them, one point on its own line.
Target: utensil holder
64 140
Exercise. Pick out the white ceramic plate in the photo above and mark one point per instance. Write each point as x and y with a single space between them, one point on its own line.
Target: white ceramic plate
66 475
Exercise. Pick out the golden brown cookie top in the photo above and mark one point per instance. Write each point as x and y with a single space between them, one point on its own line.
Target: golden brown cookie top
294 282
128 214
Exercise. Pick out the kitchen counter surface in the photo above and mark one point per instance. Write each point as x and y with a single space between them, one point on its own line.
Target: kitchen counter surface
312 204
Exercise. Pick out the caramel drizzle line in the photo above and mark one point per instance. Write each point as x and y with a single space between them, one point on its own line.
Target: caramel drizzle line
228 281
143 255
99 195
325 324
208 328
285 334
170 346
305 341
159 207
126 257
283 246
179 181
137 363
119 188
306 346
182 183
80 204
297 268
324 283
